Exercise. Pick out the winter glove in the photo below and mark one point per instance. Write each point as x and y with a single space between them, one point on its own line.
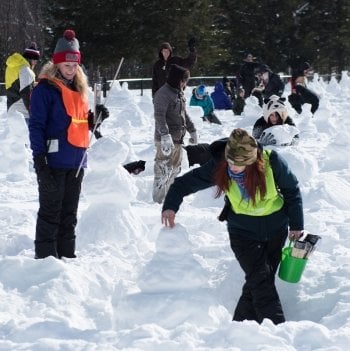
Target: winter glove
192 44
166 144
91 120
46 181
267 139
193 139
135 167
102 111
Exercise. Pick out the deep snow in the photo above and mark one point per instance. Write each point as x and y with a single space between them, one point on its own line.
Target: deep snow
136 285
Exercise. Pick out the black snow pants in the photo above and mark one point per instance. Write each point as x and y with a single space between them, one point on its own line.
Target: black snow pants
302 96
57 216
259 261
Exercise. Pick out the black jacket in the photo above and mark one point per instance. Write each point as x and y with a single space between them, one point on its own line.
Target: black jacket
275 86
161 68
261 228
246 77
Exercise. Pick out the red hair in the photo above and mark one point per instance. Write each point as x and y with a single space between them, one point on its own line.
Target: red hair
254 178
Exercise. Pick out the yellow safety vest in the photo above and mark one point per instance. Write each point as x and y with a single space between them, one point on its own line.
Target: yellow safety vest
272 202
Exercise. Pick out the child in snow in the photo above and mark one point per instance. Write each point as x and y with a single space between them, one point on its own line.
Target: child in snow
239 102
300 94
59 127
20 79
259 218
200 97
221 100
275 113
171 123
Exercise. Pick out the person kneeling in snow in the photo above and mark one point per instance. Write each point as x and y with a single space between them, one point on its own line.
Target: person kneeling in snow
300 93
59 127
263 207
200 97
275 114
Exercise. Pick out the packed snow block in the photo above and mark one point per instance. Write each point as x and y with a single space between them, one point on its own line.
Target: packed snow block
195 111
173 266
175 308
252 108
14 146
106 180
282 134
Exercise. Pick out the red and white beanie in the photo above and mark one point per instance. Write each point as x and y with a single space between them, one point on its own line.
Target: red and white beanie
67 48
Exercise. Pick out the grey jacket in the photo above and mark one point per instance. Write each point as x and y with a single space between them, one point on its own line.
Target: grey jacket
170 114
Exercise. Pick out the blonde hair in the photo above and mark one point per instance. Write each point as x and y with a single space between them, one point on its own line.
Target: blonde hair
50 71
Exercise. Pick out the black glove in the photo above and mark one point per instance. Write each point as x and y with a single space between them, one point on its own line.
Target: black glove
267 139
46 181
135 167
91 120
192 44
102 111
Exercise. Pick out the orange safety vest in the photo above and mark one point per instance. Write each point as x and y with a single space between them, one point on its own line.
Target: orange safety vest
77 109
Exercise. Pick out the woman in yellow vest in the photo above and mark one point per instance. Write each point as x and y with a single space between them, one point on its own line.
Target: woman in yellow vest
263 206
59 126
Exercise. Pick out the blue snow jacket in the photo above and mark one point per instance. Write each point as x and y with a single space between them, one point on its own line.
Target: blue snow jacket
48 124
221 100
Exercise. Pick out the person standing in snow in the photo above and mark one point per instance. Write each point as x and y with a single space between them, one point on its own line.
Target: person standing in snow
275 113
300 94
239 102
171 123
162 66
200 97
59 127
246 76
263 207
20 79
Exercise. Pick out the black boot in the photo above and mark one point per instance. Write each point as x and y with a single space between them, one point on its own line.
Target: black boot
45 249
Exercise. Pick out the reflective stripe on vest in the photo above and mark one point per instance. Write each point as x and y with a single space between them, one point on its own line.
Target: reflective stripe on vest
77 109
272 202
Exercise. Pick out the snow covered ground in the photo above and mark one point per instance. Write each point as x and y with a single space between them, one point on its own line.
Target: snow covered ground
136 285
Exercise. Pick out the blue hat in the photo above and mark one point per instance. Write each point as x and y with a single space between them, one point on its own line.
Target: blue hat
200 91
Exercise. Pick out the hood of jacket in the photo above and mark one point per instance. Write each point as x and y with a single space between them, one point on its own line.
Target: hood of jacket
14 64
165 45
219 87
16 60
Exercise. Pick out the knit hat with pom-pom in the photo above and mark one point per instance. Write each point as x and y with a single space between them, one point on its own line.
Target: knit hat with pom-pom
67 48
32 52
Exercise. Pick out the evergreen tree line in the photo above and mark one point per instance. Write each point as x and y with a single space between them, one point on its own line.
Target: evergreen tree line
278 33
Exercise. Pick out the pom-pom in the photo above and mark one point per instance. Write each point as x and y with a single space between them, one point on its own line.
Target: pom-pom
69 34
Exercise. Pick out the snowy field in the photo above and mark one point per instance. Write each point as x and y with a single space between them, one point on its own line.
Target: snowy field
136 285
